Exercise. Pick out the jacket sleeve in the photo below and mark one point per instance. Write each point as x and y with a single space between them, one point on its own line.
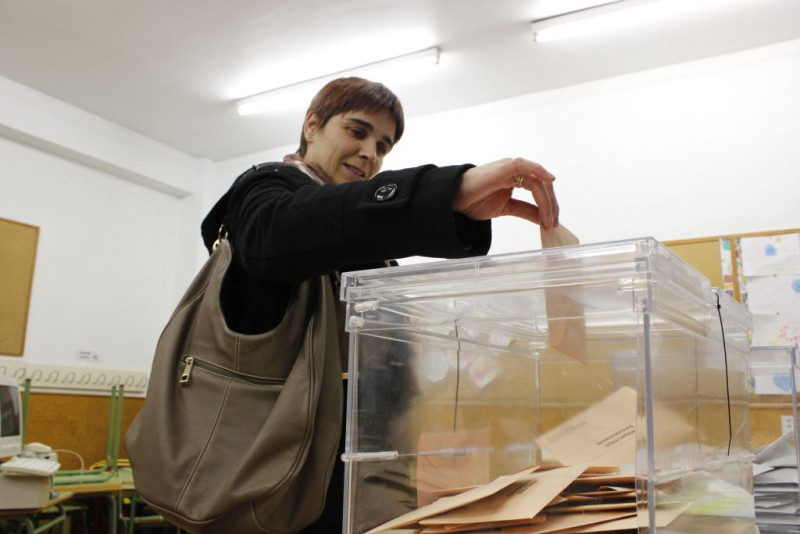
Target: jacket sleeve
286 228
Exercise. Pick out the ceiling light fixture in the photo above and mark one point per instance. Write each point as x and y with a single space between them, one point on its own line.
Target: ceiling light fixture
607 17
300 93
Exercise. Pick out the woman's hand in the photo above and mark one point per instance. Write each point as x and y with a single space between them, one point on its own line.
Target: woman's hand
485 192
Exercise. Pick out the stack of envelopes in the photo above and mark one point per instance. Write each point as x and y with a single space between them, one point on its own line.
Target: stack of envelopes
536 500
776 486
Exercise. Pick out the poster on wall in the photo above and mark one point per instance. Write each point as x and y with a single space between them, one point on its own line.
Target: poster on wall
769 282
775 329
16 278
768 255
726 264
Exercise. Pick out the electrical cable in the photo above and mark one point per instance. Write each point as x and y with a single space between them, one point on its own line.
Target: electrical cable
727 380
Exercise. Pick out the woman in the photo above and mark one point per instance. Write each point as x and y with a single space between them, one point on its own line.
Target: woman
326 210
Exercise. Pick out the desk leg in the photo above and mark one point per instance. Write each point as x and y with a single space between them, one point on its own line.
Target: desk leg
132 516
29 522
31 528
112 513
52 523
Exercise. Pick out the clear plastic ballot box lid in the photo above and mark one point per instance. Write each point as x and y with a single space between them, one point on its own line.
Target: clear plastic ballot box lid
602 384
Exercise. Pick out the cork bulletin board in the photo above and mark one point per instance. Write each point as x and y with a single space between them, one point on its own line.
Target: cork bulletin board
18 243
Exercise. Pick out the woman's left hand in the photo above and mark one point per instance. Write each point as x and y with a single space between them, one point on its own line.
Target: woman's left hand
485 192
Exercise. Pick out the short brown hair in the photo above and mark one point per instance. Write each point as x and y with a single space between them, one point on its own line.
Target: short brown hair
354 94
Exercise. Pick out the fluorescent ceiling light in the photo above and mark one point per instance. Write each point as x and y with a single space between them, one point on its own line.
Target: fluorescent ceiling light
544 9
300 94
608 17
342 53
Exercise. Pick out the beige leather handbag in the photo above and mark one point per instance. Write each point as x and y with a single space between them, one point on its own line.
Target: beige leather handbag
239 433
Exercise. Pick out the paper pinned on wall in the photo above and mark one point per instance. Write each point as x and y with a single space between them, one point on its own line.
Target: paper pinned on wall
769 282
772 384
776 329
776 294
767 255
726 263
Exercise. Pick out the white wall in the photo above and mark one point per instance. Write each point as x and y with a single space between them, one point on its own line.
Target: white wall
698 149
118 238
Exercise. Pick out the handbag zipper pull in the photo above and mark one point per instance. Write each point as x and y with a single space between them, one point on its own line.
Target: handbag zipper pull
187 370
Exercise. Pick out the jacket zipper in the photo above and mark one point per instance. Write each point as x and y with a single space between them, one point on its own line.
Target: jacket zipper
190 362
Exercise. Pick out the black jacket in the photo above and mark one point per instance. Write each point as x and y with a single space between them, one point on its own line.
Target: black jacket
285 228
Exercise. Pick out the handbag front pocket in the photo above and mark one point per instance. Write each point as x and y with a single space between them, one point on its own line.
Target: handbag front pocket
190 362
230 412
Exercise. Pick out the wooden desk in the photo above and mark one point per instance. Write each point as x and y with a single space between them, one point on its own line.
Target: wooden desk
29 517
101 488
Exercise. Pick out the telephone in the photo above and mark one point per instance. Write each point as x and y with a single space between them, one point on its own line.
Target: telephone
39 450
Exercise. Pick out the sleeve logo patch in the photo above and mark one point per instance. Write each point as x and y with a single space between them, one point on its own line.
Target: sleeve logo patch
385 192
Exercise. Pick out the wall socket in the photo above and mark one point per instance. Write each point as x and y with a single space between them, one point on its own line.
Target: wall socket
74 379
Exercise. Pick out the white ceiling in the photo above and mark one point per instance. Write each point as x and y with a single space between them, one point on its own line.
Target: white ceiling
172 69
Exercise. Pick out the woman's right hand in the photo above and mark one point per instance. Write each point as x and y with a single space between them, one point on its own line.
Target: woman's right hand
485 192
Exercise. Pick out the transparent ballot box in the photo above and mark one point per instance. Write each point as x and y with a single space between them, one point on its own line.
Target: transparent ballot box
587 388
774 375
